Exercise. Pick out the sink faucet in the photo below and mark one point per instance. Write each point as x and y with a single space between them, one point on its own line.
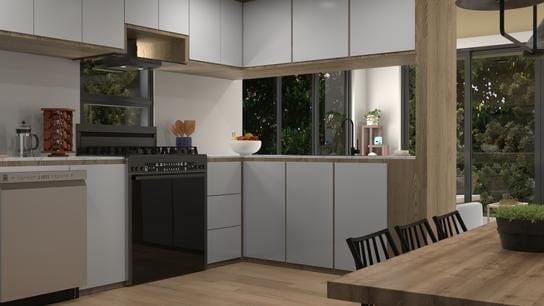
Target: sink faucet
351 136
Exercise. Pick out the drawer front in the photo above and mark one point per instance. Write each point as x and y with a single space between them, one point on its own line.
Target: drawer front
224 178
224 244
224 211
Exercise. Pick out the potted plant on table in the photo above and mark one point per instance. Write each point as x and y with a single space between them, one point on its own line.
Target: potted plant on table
373 117
521 227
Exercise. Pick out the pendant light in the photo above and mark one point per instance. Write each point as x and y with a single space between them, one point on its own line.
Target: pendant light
532 47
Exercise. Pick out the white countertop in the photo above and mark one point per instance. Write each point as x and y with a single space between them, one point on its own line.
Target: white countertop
65 158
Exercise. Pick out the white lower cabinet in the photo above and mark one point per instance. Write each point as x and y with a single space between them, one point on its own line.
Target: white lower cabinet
107 211
224 244
264 210
310 214
360 206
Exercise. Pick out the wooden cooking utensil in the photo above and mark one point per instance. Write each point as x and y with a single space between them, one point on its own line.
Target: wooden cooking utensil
190 126
180 128
173 129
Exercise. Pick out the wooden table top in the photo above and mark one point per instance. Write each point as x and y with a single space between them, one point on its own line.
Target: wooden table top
468 269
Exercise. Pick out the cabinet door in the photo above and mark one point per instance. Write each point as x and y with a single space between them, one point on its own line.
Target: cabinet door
267 32
264 210
360 206
104 23
58 19
231 33
17 16
107 235
224 178
174 16
224 244
320 29
143 13
310 214
382 26
205 31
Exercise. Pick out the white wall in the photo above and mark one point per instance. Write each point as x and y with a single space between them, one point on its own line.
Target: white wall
379 88
215 104
28 83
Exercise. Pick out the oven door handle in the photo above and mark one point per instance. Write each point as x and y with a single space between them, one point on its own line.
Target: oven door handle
172 176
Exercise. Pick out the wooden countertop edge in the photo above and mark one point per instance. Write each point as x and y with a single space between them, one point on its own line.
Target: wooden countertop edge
30 163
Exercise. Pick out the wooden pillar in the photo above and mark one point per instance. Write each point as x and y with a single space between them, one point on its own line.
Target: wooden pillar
436 31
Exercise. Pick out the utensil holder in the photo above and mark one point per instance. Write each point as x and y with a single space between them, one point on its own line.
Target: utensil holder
184 142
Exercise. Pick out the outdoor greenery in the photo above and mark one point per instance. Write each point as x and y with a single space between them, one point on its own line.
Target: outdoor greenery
503 121
259 112
532 213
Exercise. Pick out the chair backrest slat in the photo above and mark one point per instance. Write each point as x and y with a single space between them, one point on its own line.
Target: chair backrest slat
371 249
411 238
446 224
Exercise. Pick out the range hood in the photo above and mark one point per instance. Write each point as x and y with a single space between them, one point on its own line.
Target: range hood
146 49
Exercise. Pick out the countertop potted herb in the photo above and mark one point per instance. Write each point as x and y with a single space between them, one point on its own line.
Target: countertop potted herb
373 117
521 227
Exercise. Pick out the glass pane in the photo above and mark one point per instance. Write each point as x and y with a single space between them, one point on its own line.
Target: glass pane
297 115
460 198
259 112
121 84
115 115
503 125
332 112
412 110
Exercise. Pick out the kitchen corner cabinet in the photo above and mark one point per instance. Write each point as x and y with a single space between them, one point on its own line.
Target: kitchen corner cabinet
360 206
58 19
310 214
174 16
264 210
320 29
17 16
107 236
143 13
267 32
104 23
224 211
382 26
205 31
231 33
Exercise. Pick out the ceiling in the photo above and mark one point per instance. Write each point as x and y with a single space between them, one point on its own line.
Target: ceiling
481 23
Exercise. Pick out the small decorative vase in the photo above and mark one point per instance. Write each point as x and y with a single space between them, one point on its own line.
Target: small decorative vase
184 142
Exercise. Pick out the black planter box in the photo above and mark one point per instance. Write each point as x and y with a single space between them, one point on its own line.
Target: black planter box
522 236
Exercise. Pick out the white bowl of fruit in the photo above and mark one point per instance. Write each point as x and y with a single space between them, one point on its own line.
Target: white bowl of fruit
245 145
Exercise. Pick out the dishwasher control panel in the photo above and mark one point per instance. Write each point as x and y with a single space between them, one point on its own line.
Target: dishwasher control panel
42 176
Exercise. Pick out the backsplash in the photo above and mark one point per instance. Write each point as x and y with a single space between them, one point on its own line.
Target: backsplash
28 83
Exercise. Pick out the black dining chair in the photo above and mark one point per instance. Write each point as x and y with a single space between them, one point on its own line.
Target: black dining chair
372 249
415 235
449 225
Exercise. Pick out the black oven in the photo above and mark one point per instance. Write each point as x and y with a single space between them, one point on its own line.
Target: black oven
167 199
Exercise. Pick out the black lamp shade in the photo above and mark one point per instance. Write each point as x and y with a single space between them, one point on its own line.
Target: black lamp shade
494 5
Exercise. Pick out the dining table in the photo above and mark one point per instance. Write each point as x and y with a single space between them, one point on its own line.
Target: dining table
470 269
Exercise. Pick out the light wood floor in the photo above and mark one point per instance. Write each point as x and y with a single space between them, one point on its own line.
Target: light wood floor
236 284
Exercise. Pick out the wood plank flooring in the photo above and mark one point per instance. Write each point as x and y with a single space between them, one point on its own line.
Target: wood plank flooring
235 284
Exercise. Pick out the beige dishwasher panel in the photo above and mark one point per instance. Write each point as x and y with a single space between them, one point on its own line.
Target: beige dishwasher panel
42 238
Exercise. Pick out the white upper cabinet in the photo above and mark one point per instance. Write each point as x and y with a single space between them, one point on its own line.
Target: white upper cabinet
205 31
143 13
320 29
267 32
231 33
17 16
174 16
58 19
382 26
104 23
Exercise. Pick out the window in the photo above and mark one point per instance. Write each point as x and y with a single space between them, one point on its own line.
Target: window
116 107
496 146
298 114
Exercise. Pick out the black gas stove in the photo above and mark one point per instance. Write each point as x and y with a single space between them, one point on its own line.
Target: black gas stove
126 151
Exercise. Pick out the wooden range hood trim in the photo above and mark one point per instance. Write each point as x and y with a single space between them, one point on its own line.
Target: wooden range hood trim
328 65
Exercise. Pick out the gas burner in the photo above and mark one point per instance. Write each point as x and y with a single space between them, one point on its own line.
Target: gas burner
126 151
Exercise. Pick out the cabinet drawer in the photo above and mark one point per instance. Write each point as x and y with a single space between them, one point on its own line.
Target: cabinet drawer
224 244
224 178
224 211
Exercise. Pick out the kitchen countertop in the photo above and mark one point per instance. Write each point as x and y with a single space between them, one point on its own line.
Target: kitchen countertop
307 158
56 161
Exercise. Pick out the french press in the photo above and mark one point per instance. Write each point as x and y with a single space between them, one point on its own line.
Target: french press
25 139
